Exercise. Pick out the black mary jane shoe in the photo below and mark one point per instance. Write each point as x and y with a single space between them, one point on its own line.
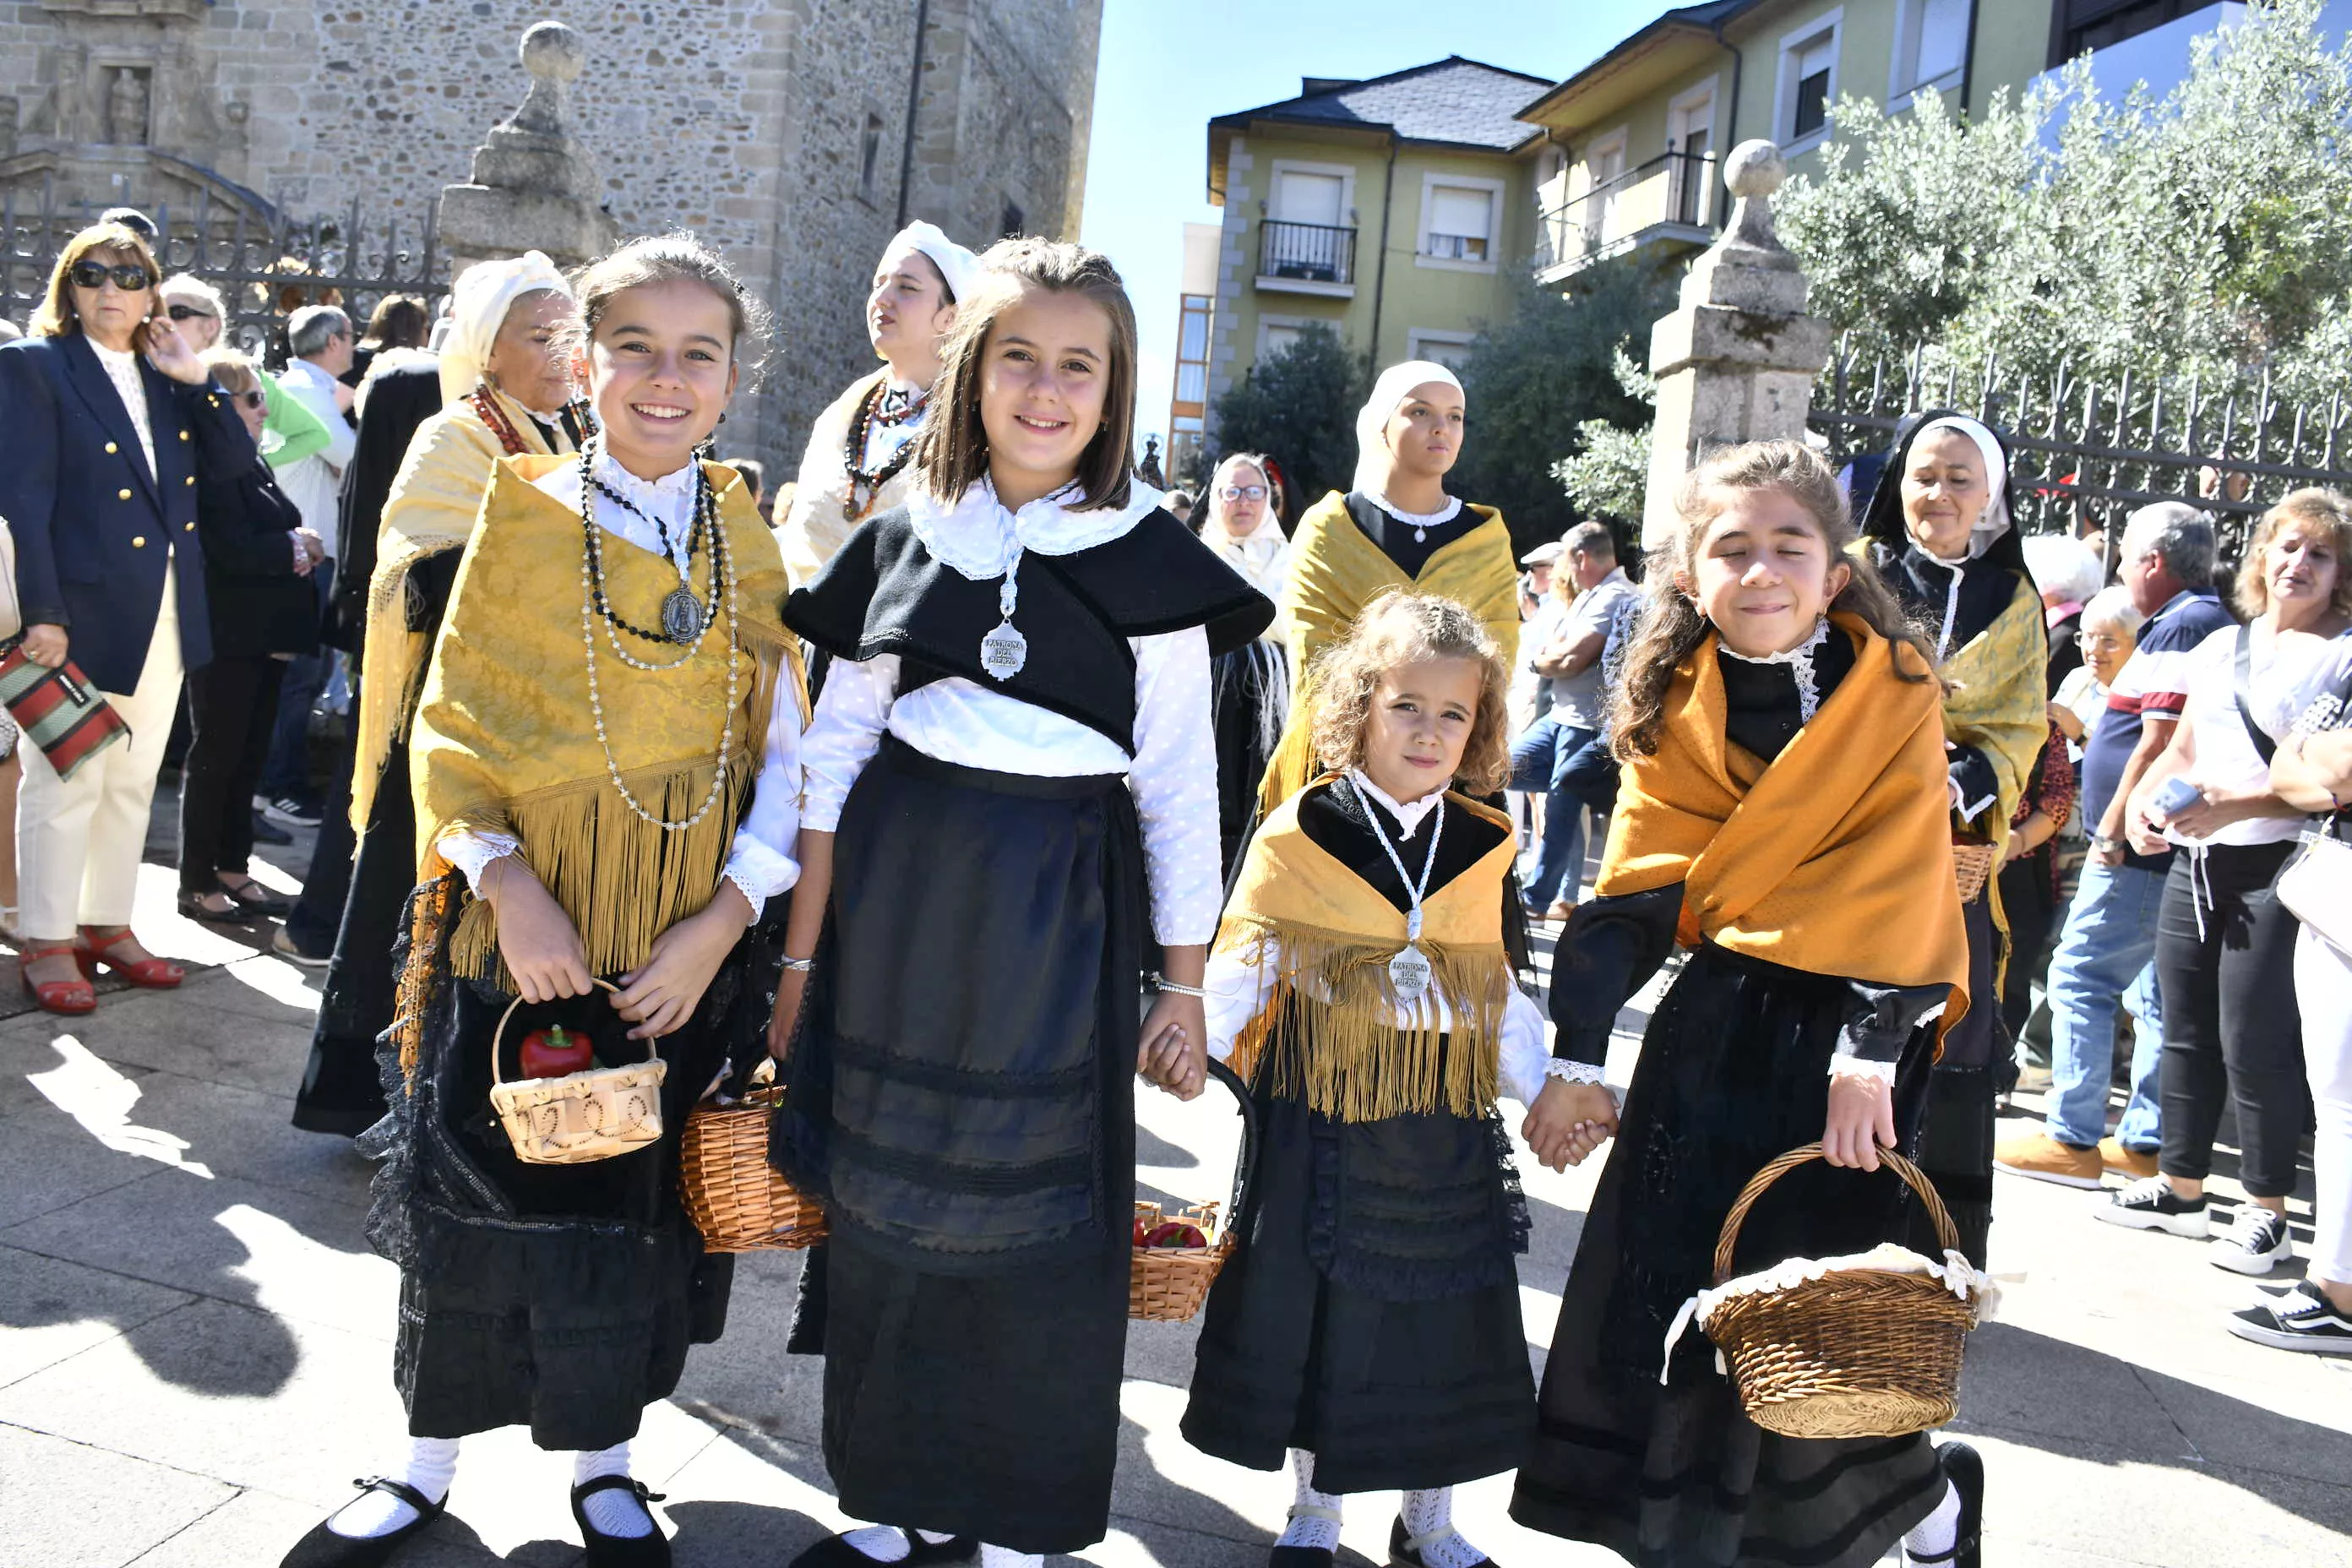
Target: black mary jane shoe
1405 1551
834 1552
192 908
323 1547
256 899
1964 1468
650 1549
1280 1556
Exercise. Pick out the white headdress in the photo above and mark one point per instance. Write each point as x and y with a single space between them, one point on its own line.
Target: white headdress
484 294
959 267
1395 384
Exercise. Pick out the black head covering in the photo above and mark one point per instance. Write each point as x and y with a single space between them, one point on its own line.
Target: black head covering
1881 524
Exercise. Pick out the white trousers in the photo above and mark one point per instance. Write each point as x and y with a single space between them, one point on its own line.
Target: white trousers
2322 990
78 840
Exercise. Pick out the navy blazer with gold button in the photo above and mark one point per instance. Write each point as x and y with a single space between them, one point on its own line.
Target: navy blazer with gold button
93 527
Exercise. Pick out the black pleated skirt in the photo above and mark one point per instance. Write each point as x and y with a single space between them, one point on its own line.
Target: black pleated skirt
1733 1072
340 1091
965 1392
1390 1389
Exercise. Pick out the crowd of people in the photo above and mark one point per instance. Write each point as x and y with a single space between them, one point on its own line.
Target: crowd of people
937 775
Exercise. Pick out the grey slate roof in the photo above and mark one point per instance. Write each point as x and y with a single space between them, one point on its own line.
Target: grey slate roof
1451 101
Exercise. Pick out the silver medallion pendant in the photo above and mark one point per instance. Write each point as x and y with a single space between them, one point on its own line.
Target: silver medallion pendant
1410 972
1003 651
682 616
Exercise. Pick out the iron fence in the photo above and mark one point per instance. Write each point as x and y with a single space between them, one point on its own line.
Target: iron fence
263 265
2084 453
1312 252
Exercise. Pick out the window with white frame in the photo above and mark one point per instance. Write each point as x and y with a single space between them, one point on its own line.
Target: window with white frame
1808 85
1448 349
1931 43
1461 223
1277 335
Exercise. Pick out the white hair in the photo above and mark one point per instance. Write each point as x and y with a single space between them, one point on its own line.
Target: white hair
2114 607
2060 565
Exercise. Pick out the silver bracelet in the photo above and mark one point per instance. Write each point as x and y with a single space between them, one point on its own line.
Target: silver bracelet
800 965
1161 982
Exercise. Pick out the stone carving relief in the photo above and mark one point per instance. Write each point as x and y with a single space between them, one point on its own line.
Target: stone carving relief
126 107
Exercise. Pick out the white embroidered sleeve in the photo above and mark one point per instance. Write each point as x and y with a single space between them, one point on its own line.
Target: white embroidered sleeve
843 736
760 863
1237 992
472 853
1524 1053
1859 1066
1174 778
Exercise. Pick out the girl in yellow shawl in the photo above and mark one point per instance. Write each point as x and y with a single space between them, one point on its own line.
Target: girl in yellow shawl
1781 816
605 769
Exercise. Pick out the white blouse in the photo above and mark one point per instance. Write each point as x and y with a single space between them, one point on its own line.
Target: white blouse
122 369
759 862
1172 774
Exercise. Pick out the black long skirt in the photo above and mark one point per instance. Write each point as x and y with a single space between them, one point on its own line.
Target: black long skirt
1956 1136
1249 700
966 1393
562 1298
1390 1387
340 1090
1733 1072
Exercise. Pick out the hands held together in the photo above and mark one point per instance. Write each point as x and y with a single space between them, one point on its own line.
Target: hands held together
1568 1122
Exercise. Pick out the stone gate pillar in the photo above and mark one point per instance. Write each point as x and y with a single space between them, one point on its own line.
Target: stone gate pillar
535 186
1737 362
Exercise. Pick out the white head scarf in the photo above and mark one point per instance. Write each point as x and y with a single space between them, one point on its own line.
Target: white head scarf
1993 522
484 292
1263 554
1395 384
959 267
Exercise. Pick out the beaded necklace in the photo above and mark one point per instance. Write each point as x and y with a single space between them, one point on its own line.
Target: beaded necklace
593 600
485 403
685 620
865 484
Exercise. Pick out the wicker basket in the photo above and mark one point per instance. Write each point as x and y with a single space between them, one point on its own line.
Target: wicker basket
1858 1353
1972 868
736 1200
593 1114
1167 1284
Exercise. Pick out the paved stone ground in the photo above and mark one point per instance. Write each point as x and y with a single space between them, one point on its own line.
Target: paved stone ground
196 1346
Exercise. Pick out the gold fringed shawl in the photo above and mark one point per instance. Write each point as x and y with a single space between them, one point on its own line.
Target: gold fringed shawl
504 741
434 499
1335 570
1998 700
1835 859
1328 938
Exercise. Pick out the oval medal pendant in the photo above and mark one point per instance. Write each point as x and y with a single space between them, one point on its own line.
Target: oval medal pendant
681 616
1410 972
1003 651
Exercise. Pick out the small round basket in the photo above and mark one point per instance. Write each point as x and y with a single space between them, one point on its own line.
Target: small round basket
1167 1284
736 1200
1857 1352
1972 868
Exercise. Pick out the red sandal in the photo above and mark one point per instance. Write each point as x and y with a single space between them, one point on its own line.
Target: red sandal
72 997
154 973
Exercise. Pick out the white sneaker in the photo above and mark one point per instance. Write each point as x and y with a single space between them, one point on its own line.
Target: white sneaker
2256 1242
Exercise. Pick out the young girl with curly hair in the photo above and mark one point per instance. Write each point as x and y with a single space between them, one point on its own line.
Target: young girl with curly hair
1368 1322
1782 820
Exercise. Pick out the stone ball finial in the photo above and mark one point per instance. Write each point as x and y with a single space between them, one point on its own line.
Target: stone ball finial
1755 169
552 51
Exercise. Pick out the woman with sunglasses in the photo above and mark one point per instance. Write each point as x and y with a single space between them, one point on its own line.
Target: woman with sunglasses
291 432
1249 694
101 403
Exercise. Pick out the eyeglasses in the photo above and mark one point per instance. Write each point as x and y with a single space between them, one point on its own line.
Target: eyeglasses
128 276
250 399
2097 639
186 312
1243 493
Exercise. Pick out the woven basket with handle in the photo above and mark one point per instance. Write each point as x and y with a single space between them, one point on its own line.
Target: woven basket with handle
736 1200
1167 1284
1972 868
593 1114
1858 1353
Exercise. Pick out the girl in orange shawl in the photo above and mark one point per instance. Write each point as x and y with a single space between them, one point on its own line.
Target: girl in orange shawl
1782 816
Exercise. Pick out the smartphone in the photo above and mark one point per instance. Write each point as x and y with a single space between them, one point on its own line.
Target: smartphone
2173 797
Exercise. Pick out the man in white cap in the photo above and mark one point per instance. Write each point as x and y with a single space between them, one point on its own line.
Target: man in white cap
859 449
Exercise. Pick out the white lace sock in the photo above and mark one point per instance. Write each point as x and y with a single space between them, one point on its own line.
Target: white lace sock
1431 1513
1939 1531
431 1464
1317 1530
1005 1557
887 1542
611 1511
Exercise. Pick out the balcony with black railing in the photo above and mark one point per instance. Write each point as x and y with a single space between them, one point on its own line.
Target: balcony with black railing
1675 198
1307 258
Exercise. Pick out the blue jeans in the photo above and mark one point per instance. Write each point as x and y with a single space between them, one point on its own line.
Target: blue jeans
1573 770
2102 959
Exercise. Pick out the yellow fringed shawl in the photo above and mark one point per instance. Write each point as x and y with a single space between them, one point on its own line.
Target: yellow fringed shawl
1834 859
504 741
434 499
1335 570
1998 700
1328 938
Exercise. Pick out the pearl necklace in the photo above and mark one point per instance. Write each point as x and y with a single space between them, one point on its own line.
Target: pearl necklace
591 590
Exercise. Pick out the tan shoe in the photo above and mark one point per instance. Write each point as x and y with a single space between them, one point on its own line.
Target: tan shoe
1559 911
2045 1159
2131 1162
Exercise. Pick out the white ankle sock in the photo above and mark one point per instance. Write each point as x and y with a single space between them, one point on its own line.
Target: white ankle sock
1312 1531
887 1542
1941 1530
1431 1513
1005 1557
612 1511
431 1464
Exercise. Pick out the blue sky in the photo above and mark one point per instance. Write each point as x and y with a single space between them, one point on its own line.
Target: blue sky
1168 67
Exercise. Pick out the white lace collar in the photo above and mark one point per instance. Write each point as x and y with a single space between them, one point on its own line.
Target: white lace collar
1409 814
665 498
1799 660
1446 513
979 538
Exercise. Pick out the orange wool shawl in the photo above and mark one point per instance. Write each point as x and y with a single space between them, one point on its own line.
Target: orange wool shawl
1835 858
